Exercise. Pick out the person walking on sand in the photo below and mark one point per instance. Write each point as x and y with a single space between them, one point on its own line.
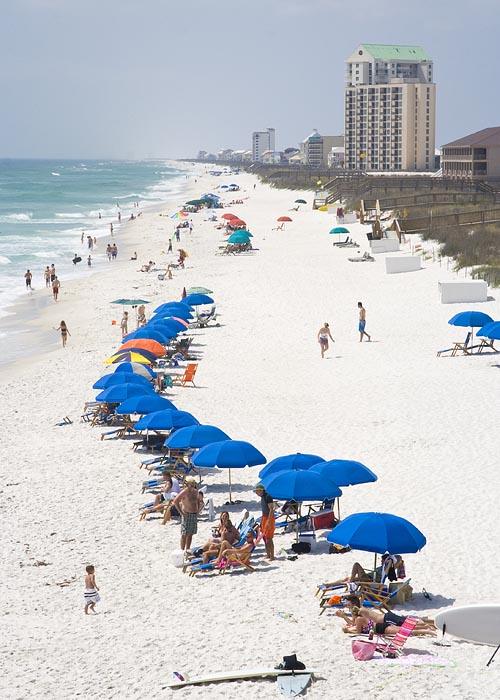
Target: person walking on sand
189 503
52 272
64 332
362 323
268 520
91 594
170 248
89 261
28 276
124 324
55 287
46 275
323 335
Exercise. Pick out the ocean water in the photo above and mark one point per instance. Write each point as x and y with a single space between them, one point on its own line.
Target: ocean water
45 205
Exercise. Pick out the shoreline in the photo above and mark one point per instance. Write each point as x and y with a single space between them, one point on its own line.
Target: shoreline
30 313
419 422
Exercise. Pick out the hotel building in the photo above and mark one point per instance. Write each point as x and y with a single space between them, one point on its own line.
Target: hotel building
390 102
262 141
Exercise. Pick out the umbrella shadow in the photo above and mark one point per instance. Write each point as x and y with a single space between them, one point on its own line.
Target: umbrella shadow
421 602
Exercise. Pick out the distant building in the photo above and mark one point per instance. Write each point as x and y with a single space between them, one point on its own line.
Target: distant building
476 155
262 141
271 157
336 157
315 148
225 154
389 109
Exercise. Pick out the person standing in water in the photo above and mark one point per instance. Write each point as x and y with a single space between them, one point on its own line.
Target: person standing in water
64 332
55 287
27 277
323 336
362 323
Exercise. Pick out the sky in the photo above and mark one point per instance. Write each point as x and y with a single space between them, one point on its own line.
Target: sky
167 78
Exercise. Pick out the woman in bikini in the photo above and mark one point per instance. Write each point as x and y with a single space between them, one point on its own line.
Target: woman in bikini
323 335
64 332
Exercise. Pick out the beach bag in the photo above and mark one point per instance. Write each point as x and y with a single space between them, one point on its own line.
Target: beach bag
362 651
301 547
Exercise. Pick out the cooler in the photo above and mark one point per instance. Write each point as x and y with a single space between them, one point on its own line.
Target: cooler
323 520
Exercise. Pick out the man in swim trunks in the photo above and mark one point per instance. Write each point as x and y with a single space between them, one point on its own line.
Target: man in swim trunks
28 277
189 503
362 323
268 520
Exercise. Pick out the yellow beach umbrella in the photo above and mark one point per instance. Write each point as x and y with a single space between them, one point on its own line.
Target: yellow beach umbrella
127 356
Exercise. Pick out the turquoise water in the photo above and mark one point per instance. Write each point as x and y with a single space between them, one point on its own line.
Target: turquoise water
45 205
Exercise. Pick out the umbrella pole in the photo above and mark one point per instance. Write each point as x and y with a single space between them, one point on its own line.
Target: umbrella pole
230 494
298 521
375 567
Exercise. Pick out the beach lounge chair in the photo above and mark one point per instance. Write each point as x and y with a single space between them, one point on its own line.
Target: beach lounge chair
187 377
233 560
370 593
336 243
486 343
366 257
464 347
393 646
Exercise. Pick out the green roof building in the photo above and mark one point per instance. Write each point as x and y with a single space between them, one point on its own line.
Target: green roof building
389 109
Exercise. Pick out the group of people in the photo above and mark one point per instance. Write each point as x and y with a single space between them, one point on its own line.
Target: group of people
111 251
324 334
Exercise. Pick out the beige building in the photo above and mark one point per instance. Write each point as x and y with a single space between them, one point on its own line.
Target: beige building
316 148
476 155
389 109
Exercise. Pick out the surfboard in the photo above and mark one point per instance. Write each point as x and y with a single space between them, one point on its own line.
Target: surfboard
291 686
474 623
183 680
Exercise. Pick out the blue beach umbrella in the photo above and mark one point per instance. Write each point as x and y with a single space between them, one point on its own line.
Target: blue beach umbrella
490 330
173 305
145 404
121 392
229 454
167 419
122 378
168 322
195 436
135 368
378 533
197 299
294 461
300 485
470 319
344 472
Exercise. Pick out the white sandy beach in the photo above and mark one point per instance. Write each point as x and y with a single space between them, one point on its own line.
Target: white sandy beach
426 426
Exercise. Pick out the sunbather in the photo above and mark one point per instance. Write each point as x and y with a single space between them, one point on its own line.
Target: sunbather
225 533
364 620
226 549
170 489
392 568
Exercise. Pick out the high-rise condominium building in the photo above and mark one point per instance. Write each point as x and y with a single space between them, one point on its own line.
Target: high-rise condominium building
262 141
389 109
